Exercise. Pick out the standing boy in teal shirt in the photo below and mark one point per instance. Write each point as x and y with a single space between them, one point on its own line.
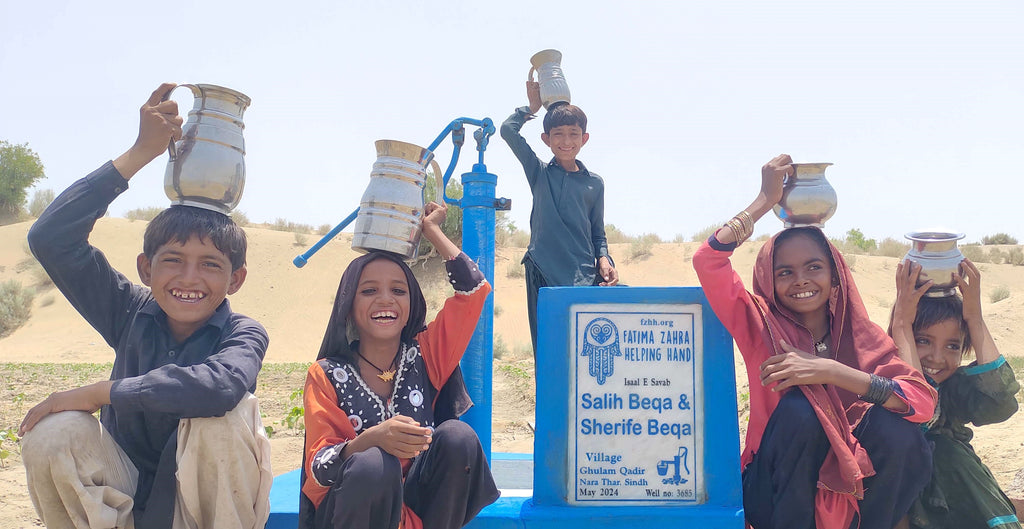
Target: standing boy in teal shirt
568 246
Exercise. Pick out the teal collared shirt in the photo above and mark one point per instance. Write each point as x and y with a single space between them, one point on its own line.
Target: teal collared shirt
567 220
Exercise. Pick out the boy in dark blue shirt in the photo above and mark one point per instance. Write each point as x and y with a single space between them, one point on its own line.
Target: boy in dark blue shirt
568 246
181 439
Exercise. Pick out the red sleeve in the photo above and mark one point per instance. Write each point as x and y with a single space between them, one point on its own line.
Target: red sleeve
919 396
444 342
326 425
732 304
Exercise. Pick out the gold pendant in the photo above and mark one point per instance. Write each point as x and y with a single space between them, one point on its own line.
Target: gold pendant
387 376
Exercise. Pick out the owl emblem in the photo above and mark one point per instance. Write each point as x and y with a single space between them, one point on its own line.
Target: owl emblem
601 344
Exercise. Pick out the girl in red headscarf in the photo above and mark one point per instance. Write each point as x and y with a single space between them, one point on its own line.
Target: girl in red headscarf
832 438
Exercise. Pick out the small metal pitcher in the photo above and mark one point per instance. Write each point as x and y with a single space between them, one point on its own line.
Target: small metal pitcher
553 87
391 210
807 197
207 165
939 257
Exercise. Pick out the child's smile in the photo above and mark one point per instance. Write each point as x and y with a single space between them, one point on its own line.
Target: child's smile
188 296
565 142
940 348
380 309
189 280
803 276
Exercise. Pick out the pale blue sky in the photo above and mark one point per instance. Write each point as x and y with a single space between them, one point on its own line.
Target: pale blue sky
920 105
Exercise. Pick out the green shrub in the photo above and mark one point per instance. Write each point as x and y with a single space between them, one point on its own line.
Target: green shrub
240 218
146 214
452 226
500 349
15 306
614 235
642 246
996 256
8 437
515 269
890 247
708 231
975 253
999 238
1015 256
40 199
504 227
999 293
287 225
300 238
520 239
40 275
295 418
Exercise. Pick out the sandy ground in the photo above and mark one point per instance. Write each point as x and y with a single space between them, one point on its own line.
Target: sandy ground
294 305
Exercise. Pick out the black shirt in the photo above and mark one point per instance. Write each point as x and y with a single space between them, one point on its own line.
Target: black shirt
158 381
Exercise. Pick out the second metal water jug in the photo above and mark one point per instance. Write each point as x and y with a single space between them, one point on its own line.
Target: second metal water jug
939 257
207 165
391 209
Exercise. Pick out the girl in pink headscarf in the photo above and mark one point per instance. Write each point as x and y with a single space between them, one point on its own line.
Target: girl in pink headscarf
832 440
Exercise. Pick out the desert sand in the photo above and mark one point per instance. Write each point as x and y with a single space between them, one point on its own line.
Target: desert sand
294 305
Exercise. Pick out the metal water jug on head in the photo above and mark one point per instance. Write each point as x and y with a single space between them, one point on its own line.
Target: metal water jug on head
553 87
391 210
939 256
207 165
807 197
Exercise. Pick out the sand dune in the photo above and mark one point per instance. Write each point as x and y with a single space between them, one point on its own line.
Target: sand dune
294 304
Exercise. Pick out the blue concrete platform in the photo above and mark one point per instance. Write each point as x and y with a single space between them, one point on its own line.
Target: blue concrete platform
513 473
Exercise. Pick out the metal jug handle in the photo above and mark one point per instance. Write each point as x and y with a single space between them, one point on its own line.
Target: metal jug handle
170 144
439 180
529 76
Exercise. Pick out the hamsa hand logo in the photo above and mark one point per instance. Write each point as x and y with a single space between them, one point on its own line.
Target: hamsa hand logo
601 344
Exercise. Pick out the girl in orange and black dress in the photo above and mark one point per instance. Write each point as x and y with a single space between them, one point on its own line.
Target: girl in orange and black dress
384 447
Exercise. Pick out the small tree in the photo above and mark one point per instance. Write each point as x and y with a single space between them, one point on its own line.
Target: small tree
20 167
856 238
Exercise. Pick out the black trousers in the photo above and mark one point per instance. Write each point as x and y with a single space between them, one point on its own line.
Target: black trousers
534 281
780 484
446 487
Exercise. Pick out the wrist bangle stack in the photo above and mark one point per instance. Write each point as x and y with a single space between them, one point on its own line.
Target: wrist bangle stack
742 226
879 391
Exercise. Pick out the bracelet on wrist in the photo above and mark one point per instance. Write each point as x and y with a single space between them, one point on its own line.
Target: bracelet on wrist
879 390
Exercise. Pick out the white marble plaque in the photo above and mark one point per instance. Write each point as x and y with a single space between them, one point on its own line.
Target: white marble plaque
636 424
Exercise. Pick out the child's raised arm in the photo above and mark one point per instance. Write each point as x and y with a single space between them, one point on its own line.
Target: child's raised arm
533 96
772 175
969 281
159 123
433 216
904 311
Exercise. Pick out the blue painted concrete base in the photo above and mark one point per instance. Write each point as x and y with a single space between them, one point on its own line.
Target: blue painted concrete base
516 510
521 513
